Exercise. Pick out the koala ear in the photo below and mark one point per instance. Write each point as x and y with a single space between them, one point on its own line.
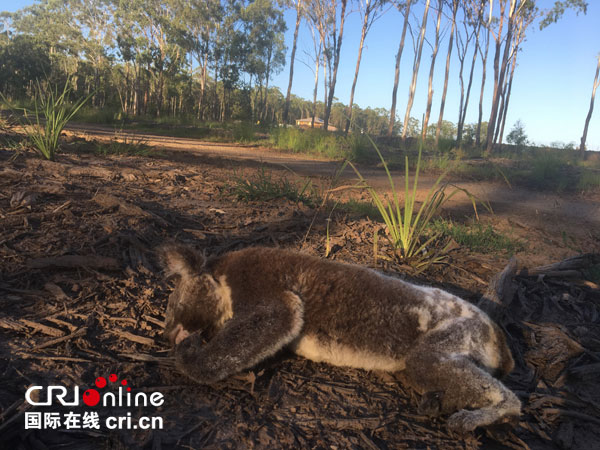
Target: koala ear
178 259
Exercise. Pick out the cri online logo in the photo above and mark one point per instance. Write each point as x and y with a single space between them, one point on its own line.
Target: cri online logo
91 397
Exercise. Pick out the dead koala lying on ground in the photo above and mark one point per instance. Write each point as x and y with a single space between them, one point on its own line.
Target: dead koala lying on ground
251 303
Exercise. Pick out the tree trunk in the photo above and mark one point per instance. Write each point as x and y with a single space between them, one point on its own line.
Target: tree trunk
397 73
336 62
507 97
461 124
431 70
589 114
500 72
314 107
286 108
484 58
363 35
266 97
438 129
416 64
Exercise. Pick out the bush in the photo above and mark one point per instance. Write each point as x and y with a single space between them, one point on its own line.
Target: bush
52 113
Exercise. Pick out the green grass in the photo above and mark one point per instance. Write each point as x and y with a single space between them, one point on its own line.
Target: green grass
406 226
360 208
125 147
263 186
477 237
354 146
52 111
589 180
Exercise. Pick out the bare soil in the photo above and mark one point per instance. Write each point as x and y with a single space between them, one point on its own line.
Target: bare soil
82 296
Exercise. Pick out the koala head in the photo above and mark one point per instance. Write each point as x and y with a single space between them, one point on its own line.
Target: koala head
192 304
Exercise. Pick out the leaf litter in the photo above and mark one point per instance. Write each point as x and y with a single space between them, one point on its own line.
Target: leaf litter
82 296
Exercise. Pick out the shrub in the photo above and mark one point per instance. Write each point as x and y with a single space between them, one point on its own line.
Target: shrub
52 113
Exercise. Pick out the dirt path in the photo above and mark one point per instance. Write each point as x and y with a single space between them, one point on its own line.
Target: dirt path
571 214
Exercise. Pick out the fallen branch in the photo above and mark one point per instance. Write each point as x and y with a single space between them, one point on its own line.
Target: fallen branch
566 266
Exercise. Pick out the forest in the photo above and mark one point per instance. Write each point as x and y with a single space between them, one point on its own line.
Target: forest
193 61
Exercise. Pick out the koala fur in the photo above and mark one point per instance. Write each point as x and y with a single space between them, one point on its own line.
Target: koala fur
228 313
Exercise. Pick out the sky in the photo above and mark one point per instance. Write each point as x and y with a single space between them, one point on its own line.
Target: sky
551 90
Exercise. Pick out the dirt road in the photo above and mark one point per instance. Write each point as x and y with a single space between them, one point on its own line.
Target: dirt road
515 201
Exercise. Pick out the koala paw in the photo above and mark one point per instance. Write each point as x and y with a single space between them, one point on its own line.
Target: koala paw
431 404
463 421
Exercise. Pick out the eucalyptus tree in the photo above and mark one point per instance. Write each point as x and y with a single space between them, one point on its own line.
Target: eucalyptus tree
420 39
590 110
436 46
526 16
263 27
202 18
50 22
370 11
404 8
299 9
23 59
94 20
480 7
510 12
329 17
438 128
472 22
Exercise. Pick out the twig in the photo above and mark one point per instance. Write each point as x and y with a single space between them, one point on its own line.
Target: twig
78 333
133 337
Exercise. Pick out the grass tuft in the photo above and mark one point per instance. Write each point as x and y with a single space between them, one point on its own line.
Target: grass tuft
52 112
263 186
478 238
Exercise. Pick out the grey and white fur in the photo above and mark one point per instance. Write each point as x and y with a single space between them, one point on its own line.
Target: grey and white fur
228 313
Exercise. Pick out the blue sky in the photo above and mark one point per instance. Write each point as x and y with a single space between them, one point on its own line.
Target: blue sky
551 90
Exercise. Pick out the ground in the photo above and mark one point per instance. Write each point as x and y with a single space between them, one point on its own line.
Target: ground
83 297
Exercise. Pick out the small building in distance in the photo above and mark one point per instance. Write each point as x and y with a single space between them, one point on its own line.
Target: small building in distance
305 123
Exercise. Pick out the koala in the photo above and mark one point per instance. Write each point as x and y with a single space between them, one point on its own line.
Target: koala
228 313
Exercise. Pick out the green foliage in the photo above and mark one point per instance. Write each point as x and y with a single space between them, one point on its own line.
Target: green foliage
52 112
478 238
127 146
517 135
560 6
23 59
589 180
406 228
354 146
264 187
244 132
546 171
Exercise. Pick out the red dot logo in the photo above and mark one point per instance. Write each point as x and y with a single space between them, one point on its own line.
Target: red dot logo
91 397
124 382
100 382
112 377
